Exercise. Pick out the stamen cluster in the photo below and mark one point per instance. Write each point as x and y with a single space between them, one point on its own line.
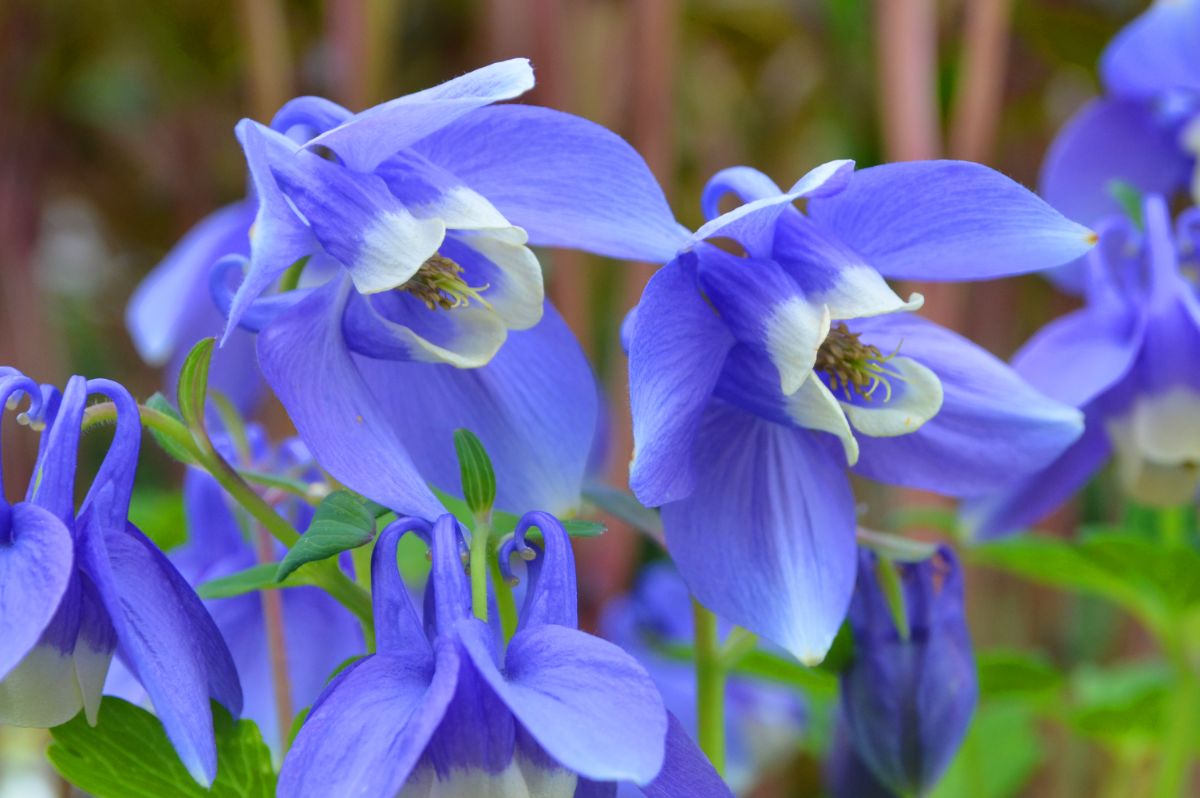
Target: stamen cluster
439 284
853 366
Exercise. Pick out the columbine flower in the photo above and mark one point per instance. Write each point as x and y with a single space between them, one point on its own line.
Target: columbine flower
1129 360
219 545
76 586
755 381
763 720
443 709
907 699
435 319
1144 132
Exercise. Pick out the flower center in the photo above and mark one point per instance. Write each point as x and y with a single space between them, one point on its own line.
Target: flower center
439 284
854 367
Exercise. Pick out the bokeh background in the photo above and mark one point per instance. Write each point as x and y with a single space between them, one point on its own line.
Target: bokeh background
116 135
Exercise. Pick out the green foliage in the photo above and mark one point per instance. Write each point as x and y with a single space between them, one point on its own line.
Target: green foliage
341 522
256 577
1011 675
998 756
1121 705
504 523
161 404
128 755
624 506
192 388
478 476
160 515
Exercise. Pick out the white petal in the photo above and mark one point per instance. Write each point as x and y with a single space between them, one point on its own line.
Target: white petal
516 289
860 291
41 691
393 249
916 398
461 208
795 331
814 406
1158 448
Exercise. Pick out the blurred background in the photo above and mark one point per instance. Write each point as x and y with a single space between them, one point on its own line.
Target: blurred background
116 135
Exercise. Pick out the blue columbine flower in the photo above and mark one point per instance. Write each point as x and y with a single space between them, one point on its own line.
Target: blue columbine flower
76 586
1130 359
436 318
1144 132
763 721
907 699
755 381
219 545
444 709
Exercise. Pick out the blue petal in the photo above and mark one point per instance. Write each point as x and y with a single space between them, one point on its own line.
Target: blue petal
1156 53
686 773
53 486
1105 142
534 407
948 220
550 583
744 182
1028 501
338 415
753 224
766 540
677 350
368 731
398 625
567 181
586 788
367 139
305 117
279 236
166 637
590 705
36 557
992 428
448 582
170 304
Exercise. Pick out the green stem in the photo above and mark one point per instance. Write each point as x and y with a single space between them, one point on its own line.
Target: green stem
479 568
710 686
504 602
1173 526
1179 735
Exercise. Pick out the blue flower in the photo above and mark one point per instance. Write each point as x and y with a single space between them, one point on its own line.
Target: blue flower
435 317
76 586
218 546
846 775
443 708
1144 132
907 700
1130 360
763 721
755 381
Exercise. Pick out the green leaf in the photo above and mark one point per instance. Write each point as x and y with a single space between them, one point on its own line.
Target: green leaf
256 577
127 755
624 506
583 528
1121 705
893 593
1012 674
1129 198
478 477
192 388
174 450
768 667
998 756
341 522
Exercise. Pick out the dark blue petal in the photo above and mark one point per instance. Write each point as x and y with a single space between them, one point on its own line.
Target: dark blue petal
367 139
677 350
54 484
992 428
398 625
686 772
304 358
773 502
1156 53
948 220
590 705
567 181
36 558
448 581
550 590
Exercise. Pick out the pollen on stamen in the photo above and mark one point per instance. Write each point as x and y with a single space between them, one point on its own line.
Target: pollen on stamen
853 367
440 285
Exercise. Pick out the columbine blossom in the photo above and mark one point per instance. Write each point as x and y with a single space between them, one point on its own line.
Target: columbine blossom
1130 360
219 545
1144 132
435 318
444 708
75 586
763 721
755 381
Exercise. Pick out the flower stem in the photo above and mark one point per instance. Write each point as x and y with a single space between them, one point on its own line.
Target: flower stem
272 606
1179 735
1173 526
505 605
479 568
710 686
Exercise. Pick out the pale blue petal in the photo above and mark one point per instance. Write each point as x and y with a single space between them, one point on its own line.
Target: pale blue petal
992 428
398 624
1155 53
304 358
304 117
744 182
567 181
948 220
766 540
36 557
367 139
686 772
550 587
1077 357
677 350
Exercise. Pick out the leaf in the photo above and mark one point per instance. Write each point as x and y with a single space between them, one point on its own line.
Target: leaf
256 577
1121 705
624 506
478 476
127 755
998 756
766 666
583 528
174 450
192 388
1012 674
342 521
